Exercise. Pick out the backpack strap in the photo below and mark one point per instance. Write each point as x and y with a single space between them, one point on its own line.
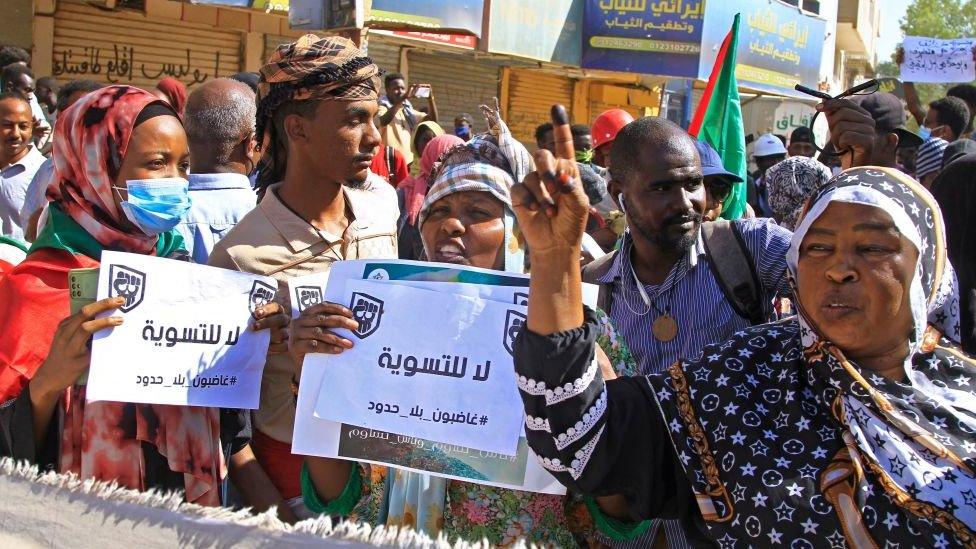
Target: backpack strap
731 262
593 272
390 163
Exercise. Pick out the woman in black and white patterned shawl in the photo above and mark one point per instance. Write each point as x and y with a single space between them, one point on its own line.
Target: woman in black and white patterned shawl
852 423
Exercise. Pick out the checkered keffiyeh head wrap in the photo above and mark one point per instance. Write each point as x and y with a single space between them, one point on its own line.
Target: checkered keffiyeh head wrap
491 162
312 69
315 68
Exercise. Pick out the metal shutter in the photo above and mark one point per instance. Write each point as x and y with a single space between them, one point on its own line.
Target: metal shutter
271 43
86 41
530 96
461 83
383 53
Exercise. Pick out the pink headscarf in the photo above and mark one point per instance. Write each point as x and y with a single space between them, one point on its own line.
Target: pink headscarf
415 188
175 91
91 139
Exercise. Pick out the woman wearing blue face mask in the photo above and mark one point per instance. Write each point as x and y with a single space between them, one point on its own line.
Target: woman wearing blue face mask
121 161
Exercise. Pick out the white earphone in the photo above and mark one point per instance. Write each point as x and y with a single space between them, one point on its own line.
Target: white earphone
620 200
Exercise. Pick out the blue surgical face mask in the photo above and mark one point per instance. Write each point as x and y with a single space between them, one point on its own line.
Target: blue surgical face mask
924 133
464 132
156 205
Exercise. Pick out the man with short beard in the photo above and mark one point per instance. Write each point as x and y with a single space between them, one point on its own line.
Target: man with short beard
317 99
660 289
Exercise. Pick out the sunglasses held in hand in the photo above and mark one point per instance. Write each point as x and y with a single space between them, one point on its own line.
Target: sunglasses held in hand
865 88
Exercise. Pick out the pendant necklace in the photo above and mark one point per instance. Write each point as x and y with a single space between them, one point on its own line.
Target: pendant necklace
665 327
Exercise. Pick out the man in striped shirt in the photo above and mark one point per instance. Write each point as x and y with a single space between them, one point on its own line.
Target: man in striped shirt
663 295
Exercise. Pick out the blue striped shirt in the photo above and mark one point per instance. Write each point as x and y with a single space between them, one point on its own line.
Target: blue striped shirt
700 308
698 304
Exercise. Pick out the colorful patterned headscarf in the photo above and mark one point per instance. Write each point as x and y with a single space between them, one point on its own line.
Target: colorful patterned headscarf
491 162
91 139
804 444
790 183
309 69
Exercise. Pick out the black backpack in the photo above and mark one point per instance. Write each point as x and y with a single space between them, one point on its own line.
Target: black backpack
730 261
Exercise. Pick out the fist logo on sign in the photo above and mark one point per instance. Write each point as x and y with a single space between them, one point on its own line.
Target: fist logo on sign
128 283
367 311
514 321
261 294
308 296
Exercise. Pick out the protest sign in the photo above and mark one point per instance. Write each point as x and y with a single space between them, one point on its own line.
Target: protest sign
189 326
320 437
419 382
937 60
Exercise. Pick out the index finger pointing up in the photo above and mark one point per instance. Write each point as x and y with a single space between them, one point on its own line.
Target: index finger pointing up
562 134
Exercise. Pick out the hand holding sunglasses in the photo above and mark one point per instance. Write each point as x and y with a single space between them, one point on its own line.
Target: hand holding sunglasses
852 129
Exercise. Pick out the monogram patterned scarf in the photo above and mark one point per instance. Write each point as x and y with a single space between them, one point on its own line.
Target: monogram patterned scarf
786 441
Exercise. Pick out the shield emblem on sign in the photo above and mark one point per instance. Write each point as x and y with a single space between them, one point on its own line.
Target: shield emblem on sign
308 296
521 298
128 283
367 311
261 294
514 321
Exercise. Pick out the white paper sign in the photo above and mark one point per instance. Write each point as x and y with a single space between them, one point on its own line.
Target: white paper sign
937 60
321 437
448 378
186 339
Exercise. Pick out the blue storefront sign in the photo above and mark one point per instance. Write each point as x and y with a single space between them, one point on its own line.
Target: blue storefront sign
779 46
643 36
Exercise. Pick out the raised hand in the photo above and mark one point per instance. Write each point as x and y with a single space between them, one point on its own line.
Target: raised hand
852 131
550 204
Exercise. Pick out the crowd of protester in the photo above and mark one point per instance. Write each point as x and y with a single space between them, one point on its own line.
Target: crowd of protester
798 375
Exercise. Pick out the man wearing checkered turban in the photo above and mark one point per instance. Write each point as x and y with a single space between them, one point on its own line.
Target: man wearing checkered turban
320 203
301 78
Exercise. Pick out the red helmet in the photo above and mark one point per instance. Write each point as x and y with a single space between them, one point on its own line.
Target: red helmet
606 126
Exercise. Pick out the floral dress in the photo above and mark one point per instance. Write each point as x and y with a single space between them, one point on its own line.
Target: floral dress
475 512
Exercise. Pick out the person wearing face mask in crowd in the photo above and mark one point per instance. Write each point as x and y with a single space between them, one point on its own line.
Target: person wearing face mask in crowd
462 126
946 119
121 161
219 119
